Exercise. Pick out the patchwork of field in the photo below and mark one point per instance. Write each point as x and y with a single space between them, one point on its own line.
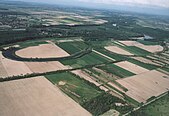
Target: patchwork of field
14 68
36 96
118 50
116 70
74 86
88 59
144 60
86 76
146 85
131 67
72 47
42 51
103 55
149 48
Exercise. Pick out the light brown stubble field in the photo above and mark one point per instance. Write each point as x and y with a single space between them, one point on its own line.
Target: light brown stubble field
36 97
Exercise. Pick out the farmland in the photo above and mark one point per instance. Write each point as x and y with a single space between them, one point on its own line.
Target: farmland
97 74
66 61
159 107
42 51
75 87
26 96
148 87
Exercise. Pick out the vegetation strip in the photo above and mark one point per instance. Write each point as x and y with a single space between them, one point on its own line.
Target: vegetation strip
58 71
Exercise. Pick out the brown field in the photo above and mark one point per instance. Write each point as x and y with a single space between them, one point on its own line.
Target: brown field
149 48
14 68
144 60
42 51
115 86
143 86
118 50
41 67
36 97
3 72
131 67
87 77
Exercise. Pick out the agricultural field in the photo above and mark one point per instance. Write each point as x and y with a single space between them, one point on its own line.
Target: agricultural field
116 70
42 51
159 107
72 47
131 67
148 48
8 67
118 50
36 96
89 59
68 61
75 87
144 86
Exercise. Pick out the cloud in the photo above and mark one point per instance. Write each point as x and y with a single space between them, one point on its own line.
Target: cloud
159 3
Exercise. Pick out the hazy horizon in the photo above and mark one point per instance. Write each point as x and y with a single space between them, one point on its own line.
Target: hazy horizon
142 6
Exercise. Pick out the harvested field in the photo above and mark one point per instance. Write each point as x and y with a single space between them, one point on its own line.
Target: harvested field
149 48
131 67
3 72
36 96
41 67
144 60
118 50
14 68
42 51
143 86
87 77
129 43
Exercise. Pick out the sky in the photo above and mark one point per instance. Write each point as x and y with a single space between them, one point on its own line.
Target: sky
157 3
142 6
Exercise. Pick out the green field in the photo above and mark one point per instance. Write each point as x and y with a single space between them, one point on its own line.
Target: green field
72 47
31 43
111 68
144 65
110 54
75 87
136 50
157 108
89 59
148 42
133 49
